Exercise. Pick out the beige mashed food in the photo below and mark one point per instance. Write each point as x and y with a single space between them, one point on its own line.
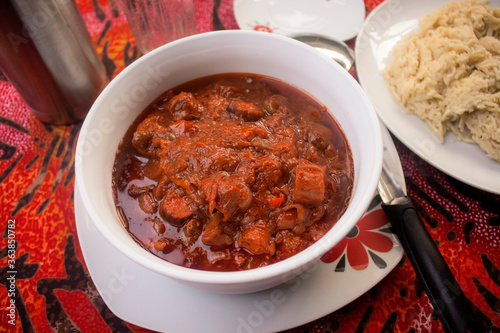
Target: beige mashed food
448 73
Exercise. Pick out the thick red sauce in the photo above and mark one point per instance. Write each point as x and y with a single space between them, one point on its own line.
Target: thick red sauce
232 172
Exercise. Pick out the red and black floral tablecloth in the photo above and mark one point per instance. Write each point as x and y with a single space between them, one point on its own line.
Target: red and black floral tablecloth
52 289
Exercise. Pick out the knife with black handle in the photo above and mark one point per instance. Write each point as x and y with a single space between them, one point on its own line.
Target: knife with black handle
449 302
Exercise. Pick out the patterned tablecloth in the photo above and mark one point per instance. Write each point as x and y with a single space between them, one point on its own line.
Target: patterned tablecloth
53 291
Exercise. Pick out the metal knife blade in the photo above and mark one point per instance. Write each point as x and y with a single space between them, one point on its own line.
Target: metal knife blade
449 302
392 180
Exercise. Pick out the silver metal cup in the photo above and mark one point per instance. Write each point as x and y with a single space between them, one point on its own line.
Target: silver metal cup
47 54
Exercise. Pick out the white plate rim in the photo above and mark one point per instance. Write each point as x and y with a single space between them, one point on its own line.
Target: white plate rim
381 30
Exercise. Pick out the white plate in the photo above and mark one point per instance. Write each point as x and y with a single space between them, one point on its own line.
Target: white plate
338 19
383 29
150 300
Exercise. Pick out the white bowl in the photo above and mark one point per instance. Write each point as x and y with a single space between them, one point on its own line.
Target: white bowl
211 53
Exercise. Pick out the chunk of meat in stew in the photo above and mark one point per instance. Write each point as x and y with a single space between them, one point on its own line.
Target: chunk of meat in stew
257 239
247 111
309 185
185 106
213 233
176 208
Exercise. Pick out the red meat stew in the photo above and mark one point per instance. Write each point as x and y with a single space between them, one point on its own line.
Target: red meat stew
232 172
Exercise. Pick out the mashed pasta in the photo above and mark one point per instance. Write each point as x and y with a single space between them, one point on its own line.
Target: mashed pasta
448 73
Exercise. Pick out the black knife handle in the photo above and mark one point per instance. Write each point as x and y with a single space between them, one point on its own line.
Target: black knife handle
449 301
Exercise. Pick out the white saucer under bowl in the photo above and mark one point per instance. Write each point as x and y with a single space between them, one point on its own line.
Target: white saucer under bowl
150 300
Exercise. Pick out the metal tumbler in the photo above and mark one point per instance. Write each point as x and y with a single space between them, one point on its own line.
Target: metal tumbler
47 54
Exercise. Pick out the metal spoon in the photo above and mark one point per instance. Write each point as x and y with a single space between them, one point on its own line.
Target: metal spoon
335 49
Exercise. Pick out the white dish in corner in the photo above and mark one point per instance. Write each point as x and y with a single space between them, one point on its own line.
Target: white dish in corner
337 19
383 29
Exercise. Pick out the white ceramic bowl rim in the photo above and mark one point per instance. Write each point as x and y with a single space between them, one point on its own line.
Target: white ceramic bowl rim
356 209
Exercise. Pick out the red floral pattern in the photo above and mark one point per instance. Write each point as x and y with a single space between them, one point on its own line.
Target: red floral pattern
54 291
261 27
362 237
